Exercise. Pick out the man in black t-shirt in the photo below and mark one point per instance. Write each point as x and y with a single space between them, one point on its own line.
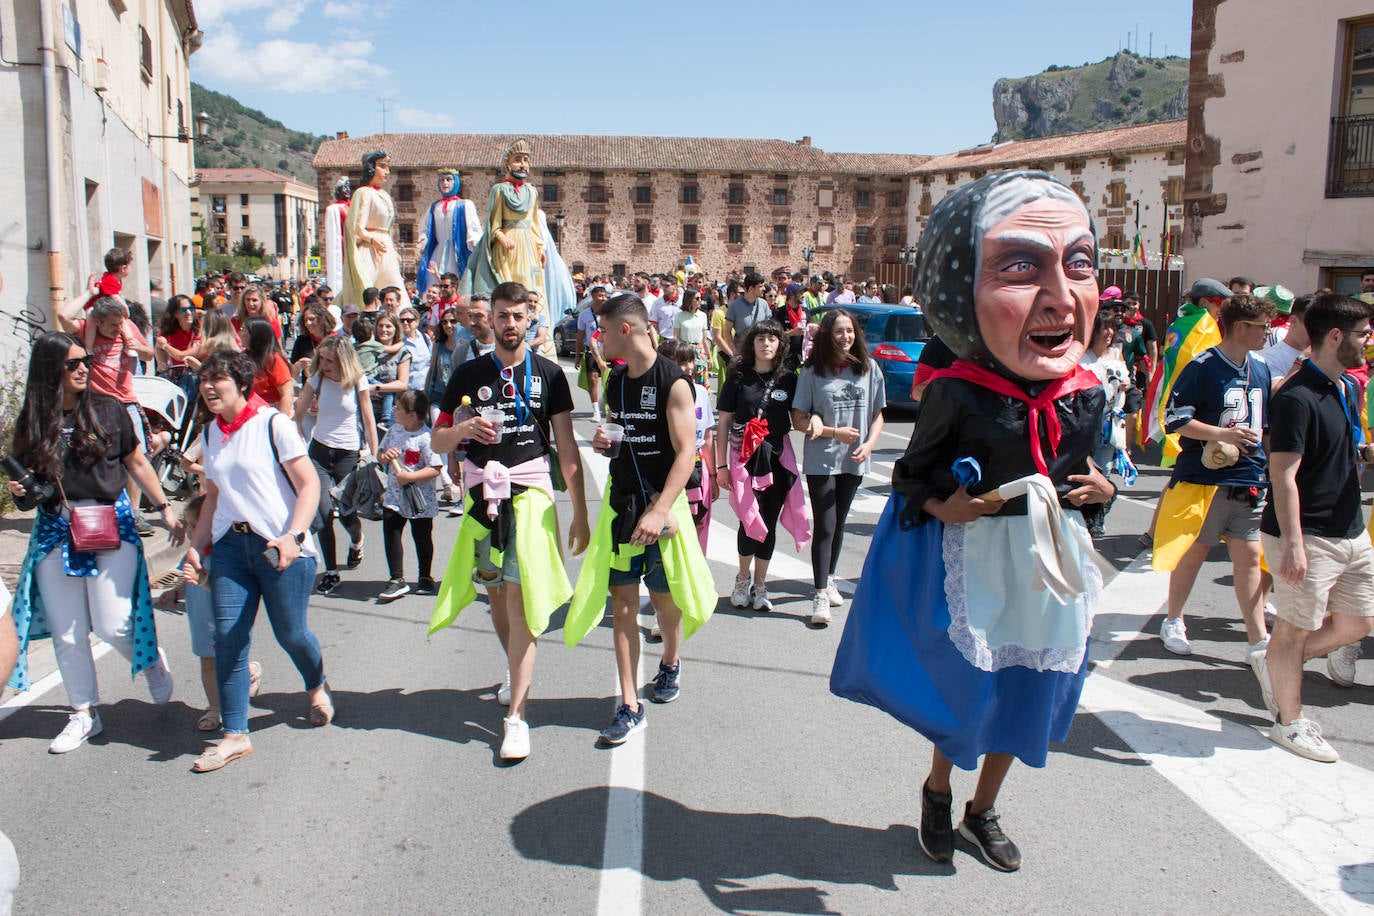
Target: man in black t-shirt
1313 528
651 537
508 540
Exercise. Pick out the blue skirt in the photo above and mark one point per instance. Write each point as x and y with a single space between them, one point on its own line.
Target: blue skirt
896 654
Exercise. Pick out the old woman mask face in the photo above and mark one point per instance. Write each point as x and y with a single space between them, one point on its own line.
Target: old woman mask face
1008 269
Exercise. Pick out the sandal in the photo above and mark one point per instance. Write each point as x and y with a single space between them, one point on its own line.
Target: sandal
209 721
322 714
213 760
254 679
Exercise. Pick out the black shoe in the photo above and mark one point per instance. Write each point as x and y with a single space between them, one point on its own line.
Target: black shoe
327 583
983 831
937 825
424 586
355 555
627 721
145 530
395 588
668 683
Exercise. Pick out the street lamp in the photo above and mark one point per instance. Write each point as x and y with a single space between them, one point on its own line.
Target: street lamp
807 254
559 219
181 136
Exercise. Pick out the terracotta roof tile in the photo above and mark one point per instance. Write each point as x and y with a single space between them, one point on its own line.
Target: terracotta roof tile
580 151
879 163
245 176
1159 135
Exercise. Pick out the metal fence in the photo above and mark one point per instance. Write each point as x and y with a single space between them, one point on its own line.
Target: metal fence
1350 169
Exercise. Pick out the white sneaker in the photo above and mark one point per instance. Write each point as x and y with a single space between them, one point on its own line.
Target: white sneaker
832 592
596 414
1271 614
503 692
1259 663
1260 646
1340 664
1304 738
80 726
761 600
516 743
820 609
1175 636
739 597
159 679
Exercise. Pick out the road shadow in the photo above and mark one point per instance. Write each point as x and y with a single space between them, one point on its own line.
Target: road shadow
720 851
167 732
1358 881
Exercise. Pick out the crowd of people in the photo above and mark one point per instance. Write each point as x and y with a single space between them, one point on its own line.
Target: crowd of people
455 405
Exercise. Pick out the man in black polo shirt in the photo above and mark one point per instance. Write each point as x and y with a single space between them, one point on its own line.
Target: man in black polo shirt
1313 528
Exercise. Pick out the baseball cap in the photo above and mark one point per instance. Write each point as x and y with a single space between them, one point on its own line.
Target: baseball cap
1111 292
352 309
1207 288
792 289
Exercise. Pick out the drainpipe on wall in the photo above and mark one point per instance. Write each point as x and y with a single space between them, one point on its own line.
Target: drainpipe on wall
57 288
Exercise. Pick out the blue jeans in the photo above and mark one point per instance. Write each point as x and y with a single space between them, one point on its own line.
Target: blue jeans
648 566
240 579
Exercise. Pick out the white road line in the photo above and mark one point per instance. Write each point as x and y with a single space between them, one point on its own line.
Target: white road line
1312 823
44 684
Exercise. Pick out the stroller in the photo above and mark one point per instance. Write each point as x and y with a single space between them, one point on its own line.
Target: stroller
168 410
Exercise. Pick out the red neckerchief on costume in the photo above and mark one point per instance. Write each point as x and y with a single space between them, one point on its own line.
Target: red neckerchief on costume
671 300
1132 319
255 403
1281 321
516 183
453 196
1039 405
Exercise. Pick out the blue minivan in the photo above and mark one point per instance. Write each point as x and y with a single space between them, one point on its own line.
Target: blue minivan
896 334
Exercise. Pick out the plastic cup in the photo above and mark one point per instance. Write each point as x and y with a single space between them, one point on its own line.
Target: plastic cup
497 418
616 433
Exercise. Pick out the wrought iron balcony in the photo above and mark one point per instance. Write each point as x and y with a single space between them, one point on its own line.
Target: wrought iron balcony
1350 169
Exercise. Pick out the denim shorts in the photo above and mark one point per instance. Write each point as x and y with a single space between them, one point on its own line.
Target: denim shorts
647 566
510 566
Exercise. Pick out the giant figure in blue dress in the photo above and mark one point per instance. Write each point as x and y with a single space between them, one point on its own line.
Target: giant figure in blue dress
970 621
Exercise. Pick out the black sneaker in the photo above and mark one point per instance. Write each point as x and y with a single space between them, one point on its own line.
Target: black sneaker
668 683
145 530
355 555
327 583
627 721
395 588
937 825
424 586
983 831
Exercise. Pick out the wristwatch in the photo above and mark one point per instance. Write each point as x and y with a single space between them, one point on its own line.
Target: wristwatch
161 508
299 536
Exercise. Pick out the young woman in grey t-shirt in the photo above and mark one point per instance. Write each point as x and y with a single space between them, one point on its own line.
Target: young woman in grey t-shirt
838 405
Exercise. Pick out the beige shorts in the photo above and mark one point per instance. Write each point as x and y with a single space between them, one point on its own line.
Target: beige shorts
1340 580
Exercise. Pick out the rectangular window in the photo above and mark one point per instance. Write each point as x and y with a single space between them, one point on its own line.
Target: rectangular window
780 235
644 194
619 270
596 233
862 265
279 221
1350 172
642 233
689 194
555 233
597 176
863 198
863 235
243 220
779 197
550 193
825 198
243 200
145 54
894 199
689 233
217 204
892 236
1116 194
596 194
825 236
405 192
736 194
1173 193
735 234
405 233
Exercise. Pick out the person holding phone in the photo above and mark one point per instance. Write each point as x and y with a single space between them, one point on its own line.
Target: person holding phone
261 493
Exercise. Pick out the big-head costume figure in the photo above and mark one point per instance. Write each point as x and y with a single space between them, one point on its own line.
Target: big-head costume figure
970 622
334 217
370 257
516 245
452 231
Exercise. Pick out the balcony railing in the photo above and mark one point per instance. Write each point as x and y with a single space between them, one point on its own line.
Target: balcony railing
1350 171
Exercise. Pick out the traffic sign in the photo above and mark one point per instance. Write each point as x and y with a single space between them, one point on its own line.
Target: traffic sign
313 264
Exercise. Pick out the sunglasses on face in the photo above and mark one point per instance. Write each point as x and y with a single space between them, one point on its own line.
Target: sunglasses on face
72 364
407 321
237 287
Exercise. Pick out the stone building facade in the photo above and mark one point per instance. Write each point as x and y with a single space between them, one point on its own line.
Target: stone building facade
646 203
1119 173
1280 161
274 210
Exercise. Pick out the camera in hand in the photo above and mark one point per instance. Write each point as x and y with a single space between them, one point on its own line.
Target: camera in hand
34 491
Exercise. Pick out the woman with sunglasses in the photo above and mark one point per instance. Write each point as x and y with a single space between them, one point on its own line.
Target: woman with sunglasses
178 336
418 345
81 445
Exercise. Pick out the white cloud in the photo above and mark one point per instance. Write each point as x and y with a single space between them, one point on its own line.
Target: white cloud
284 15
284 65
347 9
424 120
281 15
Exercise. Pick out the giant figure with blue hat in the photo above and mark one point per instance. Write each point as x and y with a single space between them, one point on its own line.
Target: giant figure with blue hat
452 231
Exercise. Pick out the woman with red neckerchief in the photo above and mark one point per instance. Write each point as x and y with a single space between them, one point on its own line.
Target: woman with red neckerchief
970 622
261 494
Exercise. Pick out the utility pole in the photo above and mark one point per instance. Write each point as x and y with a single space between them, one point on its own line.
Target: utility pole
384 103
1152 44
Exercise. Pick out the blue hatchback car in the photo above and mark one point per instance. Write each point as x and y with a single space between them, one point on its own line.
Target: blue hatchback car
895 334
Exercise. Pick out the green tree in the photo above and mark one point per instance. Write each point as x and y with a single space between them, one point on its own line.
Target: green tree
247 247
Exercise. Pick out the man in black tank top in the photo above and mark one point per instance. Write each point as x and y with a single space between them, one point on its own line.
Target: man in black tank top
653 401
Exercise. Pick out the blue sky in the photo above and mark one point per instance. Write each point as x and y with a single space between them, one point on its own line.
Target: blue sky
883 76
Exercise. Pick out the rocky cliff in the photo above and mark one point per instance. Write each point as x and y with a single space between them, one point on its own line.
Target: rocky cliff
1120 90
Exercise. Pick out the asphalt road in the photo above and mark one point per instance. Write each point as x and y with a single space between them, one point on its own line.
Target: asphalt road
757 792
